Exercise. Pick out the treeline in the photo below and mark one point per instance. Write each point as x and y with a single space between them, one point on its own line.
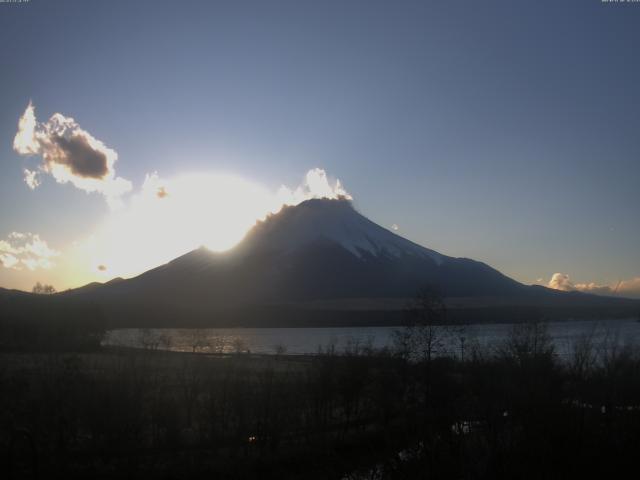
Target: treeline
514 412
43 323
159 315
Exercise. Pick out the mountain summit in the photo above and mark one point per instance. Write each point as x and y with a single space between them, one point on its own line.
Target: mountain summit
334 222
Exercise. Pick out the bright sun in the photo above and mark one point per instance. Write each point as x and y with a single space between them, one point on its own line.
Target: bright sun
169 218
217 210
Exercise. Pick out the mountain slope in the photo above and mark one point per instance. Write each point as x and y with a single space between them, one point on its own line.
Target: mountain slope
318 251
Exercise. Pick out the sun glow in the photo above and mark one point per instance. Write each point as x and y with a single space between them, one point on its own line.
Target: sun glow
168 218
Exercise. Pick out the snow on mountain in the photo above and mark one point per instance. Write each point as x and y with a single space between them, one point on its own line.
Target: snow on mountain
331 221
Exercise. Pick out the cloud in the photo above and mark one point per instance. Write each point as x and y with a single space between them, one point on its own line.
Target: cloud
31 178
624 288
28 250
594 288
69 154
316 184
561 281
8 261
25 142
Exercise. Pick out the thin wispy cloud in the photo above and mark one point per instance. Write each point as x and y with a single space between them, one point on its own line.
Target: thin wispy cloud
69 154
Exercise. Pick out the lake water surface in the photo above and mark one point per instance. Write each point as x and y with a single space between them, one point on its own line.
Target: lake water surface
300 341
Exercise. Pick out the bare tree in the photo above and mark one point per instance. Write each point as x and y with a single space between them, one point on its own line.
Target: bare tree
217 344
528 341
584 354
165 341
43 289
148 339
198 339
426 331
239 345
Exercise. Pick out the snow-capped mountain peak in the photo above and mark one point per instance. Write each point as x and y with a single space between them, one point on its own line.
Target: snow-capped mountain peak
333 221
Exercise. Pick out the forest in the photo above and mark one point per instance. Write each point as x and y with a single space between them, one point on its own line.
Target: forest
412 411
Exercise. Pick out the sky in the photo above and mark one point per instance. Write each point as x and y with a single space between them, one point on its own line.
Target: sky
502 131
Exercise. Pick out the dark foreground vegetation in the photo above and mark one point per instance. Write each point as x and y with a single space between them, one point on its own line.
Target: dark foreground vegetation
47 323
514 412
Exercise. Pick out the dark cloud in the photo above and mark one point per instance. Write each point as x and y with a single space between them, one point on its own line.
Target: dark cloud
81 158
69 154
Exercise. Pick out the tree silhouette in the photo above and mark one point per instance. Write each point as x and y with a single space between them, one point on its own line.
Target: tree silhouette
425 332
43 289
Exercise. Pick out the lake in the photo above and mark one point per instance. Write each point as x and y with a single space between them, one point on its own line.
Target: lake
301 341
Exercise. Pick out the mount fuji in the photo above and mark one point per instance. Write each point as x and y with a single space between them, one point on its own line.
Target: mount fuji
299 264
